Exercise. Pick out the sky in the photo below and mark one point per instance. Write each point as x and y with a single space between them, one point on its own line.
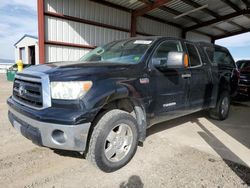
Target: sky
238 45
19 17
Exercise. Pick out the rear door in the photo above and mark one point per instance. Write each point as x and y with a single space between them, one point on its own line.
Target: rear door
200 90
227 68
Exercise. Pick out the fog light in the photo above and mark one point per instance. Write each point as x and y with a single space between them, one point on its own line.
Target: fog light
59 136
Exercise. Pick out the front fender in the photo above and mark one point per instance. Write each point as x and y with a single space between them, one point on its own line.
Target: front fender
104 92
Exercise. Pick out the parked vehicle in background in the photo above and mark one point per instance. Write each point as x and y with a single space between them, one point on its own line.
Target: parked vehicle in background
244 83
103 104
11 72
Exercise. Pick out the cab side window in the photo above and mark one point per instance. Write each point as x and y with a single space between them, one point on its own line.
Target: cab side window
164 48
193 53
210 53
222 57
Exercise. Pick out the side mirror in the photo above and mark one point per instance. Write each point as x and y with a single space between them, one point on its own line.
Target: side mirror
173 60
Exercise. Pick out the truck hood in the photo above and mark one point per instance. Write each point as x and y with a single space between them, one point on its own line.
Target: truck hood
64 71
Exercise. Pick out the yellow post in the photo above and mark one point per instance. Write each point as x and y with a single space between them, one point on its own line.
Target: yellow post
19 65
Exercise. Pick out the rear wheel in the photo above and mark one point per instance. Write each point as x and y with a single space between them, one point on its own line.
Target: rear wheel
221 111
114 141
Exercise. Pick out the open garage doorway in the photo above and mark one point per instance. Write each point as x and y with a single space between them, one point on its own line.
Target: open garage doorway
32 55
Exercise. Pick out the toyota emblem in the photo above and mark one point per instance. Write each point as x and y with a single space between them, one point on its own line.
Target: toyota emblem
21 90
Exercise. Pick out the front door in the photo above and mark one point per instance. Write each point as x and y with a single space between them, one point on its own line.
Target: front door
168 88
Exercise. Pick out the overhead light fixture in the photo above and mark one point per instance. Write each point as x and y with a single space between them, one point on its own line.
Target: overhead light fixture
191 11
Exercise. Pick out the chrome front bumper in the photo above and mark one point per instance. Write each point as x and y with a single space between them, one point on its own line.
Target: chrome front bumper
65 137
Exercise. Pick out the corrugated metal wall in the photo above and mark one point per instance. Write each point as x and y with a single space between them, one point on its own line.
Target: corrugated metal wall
61 30
90 11
155 28
77 33
197 37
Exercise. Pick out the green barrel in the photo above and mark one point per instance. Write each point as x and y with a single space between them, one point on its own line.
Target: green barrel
10 75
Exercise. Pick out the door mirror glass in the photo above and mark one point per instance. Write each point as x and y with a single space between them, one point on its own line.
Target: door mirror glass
174 60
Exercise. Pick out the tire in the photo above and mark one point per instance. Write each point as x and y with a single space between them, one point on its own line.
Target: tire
116 131
221 111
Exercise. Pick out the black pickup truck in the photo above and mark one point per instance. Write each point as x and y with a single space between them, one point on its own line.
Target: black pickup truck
103 104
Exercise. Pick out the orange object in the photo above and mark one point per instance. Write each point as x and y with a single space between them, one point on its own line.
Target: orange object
87 86
186 61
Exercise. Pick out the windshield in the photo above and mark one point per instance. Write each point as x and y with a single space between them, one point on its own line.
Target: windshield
126 51
243 64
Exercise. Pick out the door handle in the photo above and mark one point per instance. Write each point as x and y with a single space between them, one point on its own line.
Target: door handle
186 76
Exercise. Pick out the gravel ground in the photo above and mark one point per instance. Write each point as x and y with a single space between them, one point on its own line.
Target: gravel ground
192 151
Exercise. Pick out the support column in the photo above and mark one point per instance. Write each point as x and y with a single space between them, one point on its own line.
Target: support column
184 34
133 24
41 35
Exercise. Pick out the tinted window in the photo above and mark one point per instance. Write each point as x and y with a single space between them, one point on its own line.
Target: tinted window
243 64
210 53
193 55
221 57
166 47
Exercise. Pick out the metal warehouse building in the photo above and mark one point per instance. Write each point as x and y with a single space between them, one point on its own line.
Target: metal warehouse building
70 28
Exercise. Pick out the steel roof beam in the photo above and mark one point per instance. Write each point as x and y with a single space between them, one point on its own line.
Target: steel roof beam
220 19
209 12
172 11
109 4
231 4
150 7
247 3
232 34
175 12
119 7
142 11
197 5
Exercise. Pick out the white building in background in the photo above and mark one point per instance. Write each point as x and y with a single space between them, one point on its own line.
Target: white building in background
26 49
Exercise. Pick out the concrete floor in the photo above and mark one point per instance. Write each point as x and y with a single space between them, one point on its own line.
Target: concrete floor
192 151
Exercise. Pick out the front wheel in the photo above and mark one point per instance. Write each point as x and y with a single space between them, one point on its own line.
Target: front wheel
221 111
114 141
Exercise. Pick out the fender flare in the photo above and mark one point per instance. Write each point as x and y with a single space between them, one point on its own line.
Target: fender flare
122 93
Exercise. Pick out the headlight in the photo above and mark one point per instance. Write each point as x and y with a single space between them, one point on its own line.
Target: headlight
69 90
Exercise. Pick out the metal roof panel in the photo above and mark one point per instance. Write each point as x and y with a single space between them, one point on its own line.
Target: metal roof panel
131 4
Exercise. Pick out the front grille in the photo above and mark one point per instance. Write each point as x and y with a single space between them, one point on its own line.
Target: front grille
244 82
32 89
244 79
28 91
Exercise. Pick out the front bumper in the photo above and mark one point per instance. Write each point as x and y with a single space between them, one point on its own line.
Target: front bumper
57 136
